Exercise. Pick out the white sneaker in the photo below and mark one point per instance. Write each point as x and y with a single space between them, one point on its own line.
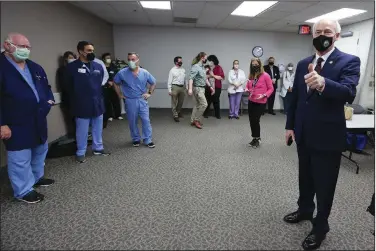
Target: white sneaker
110 119
120 118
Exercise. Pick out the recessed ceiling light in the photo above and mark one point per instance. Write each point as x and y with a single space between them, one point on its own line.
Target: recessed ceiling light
252 8
337 14
159 5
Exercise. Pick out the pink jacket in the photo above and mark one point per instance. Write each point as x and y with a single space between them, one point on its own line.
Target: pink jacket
264 86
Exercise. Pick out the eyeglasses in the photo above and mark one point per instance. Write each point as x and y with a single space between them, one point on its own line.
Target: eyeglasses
21 46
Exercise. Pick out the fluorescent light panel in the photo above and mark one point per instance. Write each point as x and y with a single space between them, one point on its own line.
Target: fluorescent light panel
160 5
252 8
337 14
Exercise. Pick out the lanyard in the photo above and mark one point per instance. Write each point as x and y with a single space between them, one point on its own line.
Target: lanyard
254 82
236 74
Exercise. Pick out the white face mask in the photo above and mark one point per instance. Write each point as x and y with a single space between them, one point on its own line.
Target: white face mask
70 60
289 68
211 64
132 64
108 61
236 66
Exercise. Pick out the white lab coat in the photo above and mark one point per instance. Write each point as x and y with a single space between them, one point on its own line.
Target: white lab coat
236 78
287 82
105 76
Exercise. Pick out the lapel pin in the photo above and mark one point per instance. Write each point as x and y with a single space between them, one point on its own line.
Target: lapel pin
330 62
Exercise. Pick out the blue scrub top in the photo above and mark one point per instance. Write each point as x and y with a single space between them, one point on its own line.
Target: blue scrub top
26 75
133 87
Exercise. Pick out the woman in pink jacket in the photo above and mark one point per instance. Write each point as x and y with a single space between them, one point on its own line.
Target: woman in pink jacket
259 87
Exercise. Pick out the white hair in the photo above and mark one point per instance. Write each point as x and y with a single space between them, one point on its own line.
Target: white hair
337 25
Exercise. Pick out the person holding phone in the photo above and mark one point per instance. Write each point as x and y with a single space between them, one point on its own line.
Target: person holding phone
259 87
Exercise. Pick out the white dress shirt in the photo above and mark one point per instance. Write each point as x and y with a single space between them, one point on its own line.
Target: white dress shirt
236 77
324 57
105 76
176 77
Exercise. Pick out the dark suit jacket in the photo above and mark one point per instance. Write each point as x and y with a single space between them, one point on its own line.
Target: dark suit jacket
318 119
276 74
19 108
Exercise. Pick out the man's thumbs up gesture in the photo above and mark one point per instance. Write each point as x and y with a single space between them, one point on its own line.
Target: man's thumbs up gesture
314 80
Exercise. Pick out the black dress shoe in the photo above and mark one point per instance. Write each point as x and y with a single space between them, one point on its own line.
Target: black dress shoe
313 241
272 113
297 217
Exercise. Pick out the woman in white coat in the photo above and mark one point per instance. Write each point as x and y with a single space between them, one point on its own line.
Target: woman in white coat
237 80
287 85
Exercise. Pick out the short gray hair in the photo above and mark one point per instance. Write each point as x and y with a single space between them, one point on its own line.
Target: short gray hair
133 53
337 28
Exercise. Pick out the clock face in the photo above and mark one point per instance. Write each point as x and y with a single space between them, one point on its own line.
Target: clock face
258 51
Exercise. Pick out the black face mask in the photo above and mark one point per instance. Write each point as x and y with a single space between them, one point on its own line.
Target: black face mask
90 56
271 63
179 63
204 61
322 43
255 68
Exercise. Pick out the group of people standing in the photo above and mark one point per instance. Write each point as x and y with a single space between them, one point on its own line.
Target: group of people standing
205 85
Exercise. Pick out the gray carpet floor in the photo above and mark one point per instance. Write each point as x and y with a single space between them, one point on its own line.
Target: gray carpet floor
198 189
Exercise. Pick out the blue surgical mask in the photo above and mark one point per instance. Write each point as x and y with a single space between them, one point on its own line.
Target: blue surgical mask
21 54
132 65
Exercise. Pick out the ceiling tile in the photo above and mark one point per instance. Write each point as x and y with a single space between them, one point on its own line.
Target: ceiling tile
184 25
233 22
126 7
160 17
275 15
292 6
187 9
215 12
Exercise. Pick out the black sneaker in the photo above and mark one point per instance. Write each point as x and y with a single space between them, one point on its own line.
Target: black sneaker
136 143
44 182
81 159
255 143
101 153
176 119
151 145
32 197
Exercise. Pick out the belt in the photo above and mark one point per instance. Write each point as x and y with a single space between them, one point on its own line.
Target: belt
179 85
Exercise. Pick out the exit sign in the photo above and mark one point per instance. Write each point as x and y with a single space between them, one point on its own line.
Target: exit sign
304 29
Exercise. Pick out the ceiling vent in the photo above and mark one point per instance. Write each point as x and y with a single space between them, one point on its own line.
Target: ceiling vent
185 20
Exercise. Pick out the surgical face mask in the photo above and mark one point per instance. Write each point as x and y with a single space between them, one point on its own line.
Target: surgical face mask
322 42
70 60
90 56
236 66
255 68
289 68
21 54
132 64
108 61
179 63
211 64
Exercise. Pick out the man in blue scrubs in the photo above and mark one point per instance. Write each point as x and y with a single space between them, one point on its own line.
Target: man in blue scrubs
131 86
25 101
84 82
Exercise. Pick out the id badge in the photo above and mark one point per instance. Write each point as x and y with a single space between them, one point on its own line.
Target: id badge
81 70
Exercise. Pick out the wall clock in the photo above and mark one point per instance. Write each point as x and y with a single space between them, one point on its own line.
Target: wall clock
258 51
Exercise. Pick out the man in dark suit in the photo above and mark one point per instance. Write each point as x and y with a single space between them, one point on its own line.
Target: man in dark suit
316 121
273 72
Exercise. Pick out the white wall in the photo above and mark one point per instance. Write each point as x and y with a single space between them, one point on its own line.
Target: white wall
157 46
364 31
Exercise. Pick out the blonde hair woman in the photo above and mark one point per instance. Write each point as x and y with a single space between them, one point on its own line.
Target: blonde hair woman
260 87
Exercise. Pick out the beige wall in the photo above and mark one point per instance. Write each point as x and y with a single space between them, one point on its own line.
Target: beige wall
53 28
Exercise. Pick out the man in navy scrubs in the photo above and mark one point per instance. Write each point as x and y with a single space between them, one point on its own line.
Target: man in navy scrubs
85 79
25 101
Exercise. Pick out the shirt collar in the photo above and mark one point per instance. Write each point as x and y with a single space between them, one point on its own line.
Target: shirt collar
326 56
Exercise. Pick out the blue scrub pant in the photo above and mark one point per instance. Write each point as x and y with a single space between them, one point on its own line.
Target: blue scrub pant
82 129
135 108
25 168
